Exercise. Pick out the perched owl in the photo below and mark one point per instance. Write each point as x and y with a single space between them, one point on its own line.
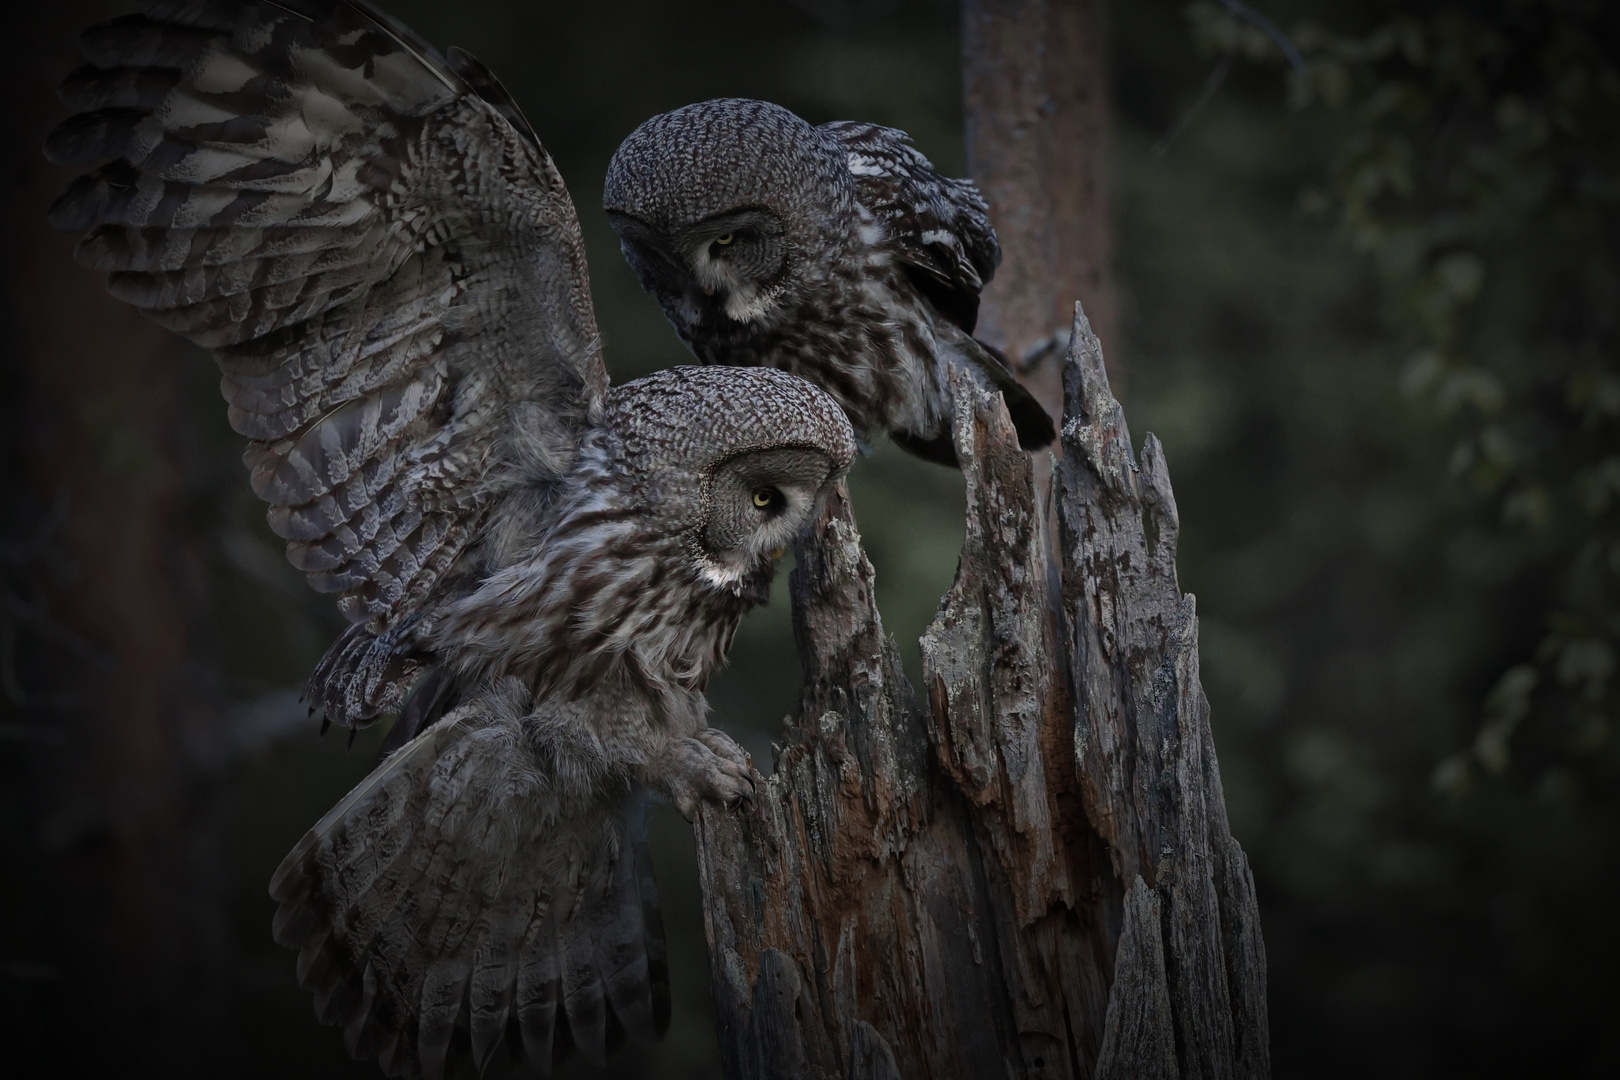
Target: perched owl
836 253
541 571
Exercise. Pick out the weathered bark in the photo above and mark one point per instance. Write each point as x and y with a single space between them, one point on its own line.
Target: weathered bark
1035 100
113 735
1030 875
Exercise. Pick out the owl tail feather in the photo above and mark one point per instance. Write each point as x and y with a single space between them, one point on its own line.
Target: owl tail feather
454 915
1029 417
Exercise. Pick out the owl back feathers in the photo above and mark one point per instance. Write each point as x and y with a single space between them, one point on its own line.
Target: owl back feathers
936 226
938 229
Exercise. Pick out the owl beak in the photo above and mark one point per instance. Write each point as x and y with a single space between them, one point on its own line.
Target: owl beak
778 553
707 291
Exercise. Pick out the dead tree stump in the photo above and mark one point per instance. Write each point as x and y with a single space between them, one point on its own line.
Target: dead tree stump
1029 872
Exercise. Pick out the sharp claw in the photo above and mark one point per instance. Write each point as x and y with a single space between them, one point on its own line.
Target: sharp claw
326 722
354 731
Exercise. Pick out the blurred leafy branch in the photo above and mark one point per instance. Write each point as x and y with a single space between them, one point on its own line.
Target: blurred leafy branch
1479 169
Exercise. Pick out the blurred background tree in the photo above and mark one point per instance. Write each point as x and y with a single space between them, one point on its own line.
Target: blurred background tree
1370 309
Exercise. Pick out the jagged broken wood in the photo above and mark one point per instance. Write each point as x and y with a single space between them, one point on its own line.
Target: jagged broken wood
1028 873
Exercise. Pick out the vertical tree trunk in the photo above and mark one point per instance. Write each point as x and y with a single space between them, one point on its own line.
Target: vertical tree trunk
1036 97
124 946
1032 875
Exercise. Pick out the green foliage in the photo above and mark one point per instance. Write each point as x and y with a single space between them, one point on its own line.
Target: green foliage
1431 801
1479 169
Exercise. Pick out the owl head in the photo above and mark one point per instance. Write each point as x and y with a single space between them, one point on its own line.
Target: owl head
733 461
730 209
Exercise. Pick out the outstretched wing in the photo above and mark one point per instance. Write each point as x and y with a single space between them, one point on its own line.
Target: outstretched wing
938 227
456 906
387 266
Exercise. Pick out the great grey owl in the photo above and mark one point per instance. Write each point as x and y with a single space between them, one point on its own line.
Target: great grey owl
390 273
836 252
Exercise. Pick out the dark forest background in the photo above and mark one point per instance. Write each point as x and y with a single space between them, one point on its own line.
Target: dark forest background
1368 297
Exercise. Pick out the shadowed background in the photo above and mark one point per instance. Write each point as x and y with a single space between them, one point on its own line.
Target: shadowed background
1436 898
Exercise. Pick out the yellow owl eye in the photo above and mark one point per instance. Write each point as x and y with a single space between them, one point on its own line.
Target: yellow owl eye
726 239
764 497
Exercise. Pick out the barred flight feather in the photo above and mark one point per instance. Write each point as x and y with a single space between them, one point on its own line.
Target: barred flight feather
272 169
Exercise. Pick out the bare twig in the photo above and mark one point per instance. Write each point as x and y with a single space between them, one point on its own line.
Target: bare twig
1238 10
1290 51
1211 85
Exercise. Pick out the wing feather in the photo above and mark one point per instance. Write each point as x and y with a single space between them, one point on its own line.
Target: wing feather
492 985
936 226
386 264
455 890
539 987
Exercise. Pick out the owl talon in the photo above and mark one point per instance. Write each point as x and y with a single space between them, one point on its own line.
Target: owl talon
723 745
709 766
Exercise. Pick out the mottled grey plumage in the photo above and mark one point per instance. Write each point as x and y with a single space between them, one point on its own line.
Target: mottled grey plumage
836 252
390 273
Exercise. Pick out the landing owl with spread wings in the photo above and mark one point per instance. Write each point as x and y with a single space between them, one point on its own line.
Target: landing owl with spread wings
539 570
836 252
